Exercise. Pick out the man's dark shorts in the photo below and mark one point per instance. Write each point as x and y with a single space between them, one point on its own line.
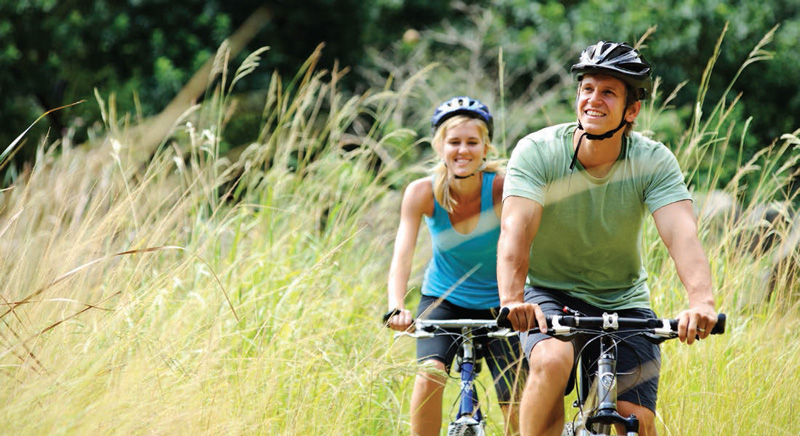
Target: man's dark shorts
502 355
638 360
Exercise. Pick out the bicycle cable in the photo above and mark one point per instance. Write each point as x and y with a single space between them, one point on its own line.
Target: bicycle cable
617 341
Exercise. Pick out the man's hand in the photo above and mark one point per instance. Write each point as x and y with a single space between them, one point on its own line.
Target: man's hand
696 322
526 316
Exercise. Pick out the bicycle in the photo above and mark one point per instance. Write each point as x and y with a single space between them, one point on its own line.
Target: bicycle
469 421
597 413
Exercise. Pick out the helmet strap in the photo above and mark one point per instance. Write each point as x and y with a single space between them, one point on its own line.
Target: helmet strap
593 137
480 168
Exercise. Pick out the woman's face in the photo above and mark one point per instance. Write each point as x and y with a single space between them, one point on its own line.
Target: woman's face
463 150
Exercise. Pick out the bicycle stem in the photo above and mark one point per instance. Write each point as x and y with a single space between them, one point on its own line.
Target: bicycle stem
607 380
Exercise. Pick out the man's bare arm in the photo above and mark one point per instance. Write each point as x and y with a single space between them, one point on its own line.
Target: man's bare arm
678 229
519 224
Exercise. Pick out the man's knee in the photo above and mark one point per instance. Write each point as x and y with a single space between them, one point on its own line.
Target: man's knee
552 358
646 417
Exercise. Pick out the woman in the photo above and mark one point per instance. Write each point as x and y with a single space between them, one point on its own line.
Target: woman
461 205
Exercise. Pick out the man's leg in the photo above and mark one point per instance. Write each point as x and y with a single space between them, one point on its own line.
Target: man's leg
639 366
647 419
550 367
542 406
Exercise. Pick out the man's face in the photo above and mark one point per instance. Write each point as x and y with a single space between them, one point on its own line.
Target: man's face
601 102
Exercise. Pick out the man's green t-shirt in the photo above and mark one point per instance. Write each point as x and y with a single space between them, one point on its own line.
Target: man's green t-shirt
589 240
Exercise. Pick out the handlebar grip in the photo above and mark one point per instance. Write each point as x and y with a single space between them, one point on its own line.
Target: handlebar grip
502 318
388 315
719 327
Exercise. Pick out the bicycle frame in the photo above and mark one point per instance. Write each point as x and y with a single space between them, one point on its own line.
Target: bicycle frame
469 411
470 419
598 420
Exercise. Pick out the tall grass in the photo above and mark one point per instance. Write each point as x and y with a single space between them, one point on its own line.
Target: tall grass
737 383
180 292
246 316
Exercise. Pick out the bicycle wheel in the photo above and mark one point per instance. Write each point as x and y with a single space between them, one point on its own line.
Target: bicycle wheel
460 429
465 429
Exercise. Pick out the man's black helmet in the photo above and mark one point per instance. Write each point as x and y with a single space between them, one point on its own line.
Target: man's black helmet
616 59
462 106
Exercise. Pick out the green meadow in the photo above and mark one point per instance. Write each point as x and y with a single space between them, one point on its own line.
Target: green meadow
179 289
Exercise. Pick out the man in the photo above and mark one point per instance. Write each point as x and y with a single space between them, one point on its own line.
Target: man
575 199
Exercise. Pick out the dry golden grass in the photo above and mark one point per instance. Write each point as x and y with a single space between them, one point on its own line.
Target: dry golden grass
183 293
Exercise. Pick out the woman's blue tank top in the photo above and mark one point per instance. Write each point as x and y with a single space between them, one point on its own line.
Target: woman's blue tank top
463 268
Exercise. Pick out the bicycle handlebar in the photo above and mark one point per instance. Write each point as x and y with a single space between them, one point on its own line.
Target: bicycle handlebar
563 325
424 328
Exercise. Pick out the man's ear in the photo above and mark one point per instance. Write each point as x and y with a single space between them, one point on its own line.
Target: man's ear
633 111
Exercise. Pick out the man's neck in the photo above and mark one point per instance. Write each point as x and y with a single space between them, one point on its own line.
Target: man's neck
598 154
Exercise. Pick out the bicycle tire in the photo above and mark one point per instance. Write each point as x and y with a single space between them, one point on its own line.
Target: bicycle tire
460 429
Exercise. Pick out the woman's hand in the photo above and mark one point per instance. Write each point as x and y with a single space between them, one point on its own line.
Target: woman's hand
399 319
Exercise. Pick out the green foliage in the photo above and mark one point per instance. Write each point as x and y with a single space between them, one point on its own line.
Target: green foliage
686 34
390 18
140 300
540 40
144 51
233 283
58 52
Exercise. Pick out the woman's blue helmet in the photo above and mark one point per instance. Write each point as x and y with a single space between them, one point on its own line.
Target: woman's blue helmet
462 106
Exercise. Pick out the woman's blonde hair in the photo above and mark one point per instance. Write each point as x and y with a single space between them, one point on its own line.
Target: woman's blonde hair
441 175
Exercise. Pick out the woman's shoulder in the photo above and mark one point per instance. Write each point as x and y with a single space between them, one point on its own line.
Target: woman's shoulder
419 195
420 186
497 189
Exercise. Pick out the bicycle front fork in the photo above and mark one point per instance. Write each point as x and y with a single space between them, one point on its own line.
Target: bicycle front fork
469 366
469 420
606 388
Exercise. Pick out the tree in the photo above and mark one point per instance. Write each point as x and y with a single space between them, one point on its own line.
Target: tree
144 51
